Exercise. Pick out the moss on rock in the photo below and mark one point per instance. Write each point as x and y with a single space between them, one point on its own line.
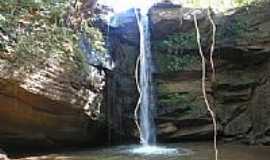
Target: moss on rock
175 63
36 30
176 43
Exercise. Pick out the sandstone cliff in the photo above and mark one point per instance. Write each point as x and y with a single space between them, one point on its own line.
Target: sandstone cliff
49 95
239 93
54 103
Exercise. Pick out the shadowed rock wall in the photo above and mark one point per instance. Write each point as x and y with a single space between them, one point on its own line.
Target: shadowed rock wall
238 94
52 104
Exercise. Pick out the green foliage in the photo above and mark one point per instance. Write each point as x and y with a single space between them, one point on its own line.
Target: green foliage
240 3
235 28
96 37
172 99
174 63
177 99
32 4
176 43
170 57
200 3
35 29
50 8
45 42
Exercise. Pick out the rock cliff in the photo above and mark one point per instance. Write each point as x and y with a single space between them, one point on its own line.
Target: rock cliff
238 94
121 88
55 103
49 95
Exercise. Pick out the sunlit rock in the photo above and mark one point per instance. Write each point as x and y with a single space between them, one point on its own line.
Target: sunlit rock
53 104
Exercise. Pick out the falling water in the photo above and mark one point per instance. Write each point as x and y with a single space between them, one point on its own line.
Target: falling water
146 100
147 124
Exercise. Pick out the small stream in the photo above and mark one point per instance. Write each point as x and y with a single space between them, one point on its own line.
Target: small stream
186 151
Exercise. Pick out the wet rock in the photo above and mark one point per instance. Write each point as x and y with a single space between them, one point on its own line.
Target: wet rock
266 141
3 155
238 126
175 132
124 26
260 108
121 90
238 94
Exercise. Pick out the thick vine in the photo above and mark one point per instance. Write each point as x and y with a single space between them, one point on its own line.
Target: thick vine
213 116
214 29
136 119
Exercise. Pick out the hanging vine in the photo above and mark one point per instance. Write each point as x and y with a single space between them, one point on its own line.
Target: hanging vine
213 116
140 95
136 119
212 48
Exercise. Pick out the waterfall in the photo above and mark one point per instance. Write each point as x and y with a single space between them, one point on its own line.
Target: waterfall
144 70
146 116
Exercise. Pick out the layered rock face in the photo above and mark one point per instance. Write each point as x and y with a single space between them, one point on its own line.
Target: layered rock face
53 102
121 94
238 94
49 103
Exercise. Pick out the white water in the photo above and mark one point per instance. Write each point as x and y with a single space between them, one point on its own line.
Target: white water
155 150
146 113
146 116
147 105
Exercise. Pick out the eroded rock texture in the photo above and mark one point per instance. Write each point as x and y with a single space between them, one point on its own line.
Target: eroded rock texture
51 102
121 88
238 94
